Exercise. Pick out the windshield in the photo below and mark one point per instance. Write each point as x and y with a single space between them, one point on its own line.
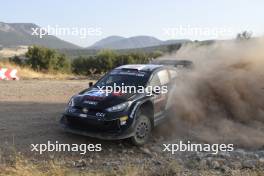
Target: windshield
124 78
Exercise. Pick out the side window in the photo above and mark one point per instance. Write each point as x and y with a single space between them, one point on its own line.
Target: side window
164 77
155 81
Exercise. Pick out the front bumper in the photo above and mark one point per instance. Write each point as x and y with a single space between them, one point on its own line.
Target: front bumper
107 130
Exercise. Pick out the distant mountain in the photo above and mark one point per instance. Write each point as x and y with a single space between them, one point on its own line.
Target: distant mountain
16 34
106 41
171 42
117 42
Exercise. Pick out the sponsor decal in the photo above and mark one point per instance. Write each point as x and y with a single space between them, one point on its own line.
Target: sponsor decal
100 114
117 93
140 74
134 110
96 93
85 110
90 102
71 110
83 115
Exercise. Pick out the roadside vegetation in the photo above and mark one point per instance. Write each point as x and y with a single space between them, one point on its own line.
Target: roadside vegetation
19 166
45 60
106 60
25 72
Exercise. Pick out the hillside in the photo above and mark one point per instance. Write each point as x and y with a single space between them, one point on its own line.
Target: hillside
118 43
73 53
17 34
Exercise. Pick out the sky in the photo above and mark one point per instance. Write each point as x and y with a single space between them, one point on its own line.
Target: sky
91 20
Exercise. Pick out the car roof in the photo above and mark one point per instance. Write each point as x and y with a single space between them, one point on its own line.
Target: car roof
140 67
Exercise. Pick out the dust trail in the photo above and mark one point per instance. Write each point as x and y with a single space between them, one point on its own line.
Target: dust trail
222 99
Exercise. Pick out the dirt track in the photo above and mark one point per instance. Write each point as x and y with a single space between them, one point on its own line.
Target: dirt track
29 114
30 111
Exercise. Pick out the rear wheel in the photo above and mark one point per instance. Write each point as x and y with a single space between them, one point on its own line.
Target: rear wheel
142 130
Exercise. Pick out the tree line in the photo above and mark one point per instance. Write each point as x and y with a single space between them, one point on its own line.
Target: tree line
43 59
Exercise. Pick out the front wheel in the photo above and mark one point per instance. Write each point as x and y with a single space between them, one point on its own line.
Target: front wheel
142 130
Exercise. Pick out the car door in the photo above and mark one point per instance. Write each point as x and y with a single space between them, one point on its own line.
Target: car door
161 79
171 88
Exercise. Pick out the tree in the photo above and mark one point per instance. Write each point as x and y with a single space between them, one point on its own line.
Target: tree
245 35
16 60
106 59
79 66
63 64
45 59
173 47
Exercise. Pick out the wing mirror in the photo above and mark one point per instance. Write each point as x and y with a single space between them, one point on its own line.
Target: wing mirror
91 84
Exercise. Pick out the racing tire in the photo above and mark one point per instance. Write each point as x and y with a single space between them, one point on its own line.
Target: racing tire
143 129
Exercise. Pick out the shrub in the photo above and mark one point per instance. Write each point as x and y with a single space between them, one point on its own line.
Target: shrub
47 60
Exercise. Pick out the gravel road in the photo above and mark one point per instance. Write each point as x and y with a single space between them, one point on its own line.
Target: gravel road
29 114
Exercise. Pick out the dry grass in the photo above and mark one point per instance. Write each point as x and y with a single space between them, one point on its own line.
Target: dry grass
18 165
23 167
27 73
26 168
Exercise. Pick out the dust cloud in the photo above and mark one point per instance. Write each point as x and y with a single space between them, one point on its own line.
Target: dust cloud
221 100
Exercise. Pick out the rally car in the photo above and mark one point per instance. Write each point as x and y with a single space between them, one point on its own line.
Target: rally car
98 113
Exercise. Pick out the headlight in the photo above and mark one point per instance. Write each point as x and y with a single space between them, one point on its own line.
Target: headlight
119 107
71 102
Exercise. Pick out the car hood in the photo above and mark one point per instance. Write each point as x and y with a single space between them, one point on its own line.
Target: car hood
99 99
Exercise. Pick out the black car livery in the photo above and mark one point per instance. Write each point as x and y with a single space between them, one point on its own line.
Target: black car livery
104 114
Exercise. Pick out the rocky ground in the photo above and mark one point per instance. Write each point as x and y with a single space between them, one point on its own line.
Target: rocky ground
30 111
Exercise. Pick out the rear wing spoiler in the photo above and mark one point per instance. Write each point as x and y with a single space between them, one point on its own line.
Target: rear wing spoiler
174 63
